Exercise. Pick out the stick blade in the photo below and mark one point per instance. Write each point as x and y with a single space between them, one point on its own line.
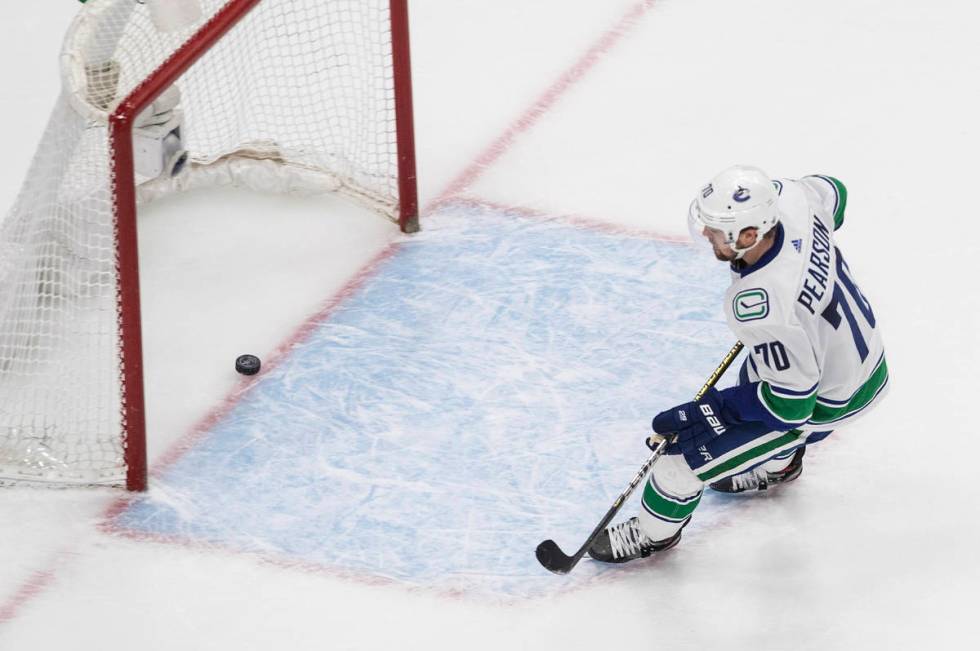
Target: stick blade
553 558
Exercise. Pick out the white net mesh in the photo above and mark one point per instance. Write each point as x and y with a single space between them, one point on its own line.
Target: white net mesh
298 97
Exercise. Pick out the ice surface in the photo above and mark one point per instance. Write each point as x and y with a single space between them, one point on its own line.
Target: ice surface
461 406
875 547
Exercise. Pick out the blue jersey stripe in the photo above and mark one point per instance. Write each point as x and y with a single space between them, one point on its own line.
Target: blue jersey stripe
841 403
791 392
858 411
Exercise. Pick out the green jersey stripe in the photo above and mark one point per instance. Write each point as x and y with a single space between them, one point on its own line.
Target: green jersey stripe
841 202
785 408
823 414
753 453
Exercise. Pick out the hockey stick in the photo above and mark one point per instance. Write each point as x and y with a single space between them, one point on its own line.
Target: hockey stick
550 554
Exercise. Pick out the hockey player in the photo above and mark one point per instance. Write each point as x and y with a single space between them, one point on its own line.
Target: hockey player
815 359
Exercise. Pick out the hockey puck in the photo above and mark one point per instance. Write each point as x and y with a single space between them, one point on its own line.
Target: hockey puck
248 364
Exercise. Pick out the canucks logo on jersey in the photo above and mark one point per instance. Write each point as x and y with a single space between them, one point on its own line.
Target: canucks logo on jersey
751 304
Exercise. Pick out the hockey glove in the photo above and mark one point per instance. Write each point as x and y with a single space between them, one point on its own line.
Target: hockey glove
696 423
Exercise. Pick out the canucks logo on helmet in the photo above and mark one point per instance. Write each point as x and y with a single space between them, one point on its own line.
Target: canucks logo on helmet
738 198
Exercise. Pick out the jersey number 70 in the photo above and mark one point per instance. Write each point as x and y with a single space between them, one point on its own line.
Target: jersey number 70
838 304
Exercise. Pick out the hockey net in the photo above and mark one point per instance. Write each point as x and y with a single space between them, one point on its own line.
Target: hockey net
293 96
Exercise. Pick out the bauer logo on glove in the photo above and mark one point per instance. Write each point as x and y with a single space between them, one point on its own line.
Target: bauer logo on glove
695 423
713 421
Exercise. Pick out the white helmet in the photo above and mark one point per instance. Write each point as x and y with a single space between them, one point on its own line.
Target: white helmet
738 198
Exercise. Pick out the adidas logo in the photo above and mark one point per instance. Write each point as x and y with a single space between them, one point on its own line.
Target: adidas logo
798 245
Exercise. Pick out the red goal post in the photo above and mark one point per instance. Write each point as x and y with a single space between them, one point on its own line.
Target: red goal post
299 96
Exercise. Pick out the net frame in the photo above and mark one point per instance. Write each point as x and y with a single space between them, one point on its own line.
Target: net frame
126 194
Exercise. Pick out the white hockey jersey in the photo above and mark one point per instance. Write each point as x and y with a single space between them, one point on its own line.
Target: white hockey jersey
815 355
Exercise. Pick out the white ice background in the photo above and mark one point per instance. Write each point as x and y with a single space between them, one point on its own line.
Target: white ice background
603 117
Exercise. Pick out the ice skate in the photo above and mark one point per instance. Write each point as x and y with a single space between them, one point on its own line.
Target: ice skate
626 542
759 478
